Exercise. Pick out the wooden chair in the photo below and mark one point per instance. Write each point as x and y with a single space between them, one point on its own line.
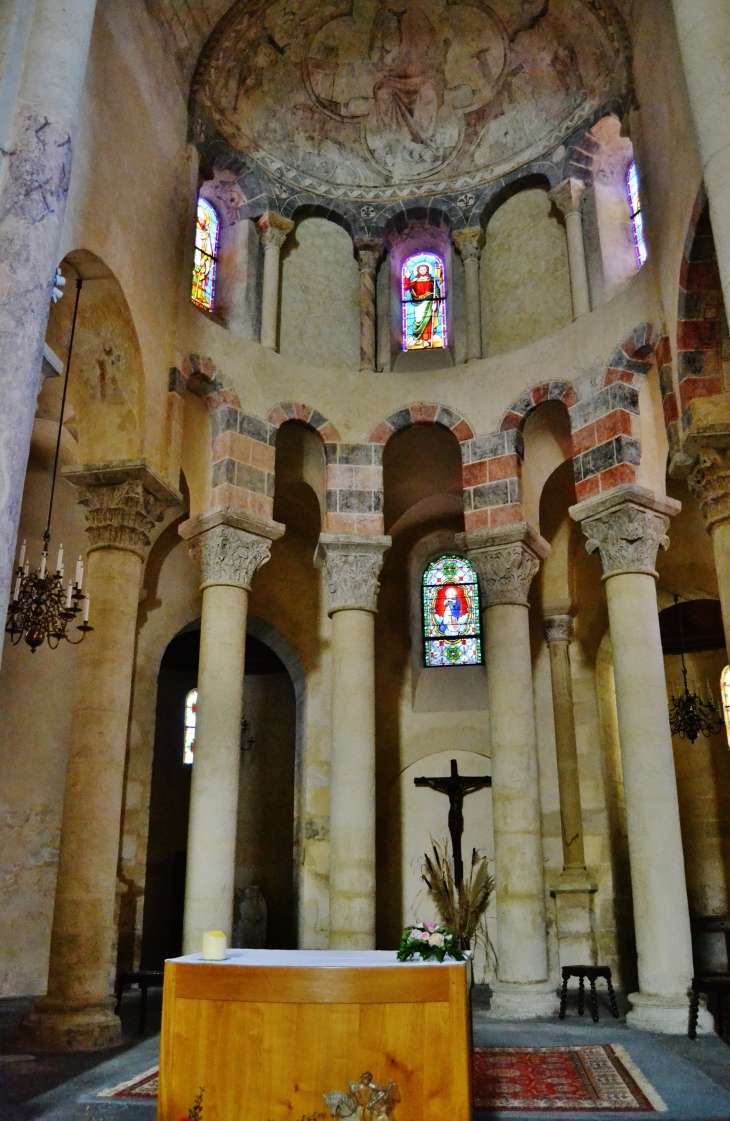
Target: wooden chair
716 987
145 979
592 972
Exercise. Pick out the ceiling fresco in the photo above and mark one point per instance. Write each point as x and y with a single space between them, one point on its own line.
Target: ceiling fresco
382 99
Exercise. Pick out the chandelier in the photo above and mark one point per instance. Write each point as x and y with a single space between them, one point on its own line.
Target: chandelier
40 609
689 714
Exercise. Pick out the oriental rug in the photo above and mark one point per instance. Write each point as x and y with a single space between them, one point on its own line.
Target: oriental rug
142 1088
591 1078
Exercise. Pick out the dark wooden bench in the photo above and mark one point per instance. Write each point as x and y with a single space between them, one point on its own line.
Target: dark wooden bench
592 972
145 979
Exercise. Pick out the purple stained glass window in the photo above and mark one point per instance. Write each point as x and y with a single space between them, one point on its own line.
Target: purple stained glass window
451 622
637 218
205 262
423 296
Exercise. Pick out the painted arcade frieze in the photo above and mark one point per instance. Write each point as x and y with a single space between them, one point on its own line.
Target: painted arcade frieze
382 100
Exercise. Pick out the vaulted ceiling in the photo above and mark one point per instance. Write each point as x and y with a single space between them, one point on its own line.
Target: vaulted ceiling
186 25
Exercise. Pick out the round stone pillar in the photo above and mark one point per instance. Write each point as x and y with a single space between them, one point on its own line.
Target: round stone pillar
228 556
123 504
367 251
567 197
36 170
351 565
709 482
469 243
703 32
626 526
273 231
506 560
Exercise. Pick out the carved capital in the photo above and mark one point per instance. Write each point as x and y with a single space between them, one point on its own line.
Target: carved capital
229 548
351 566
367 251
506 560
568 196
709 482
469 242
124 500
626 526
558 628
274 229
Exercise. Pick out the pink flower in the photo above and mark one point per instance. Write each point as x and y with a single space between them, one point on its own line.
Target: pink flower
430 926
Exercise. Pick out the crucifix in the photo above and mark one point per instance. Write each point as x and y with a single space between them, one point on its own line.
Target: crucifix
457 787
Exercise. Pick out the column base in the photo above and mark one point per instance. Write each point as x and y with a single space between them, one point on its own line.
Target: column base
668 1015
55 1025
512 1001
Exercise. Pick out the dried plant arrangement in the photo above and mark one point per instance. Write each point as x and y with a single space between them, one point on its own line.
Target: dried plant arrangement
460 907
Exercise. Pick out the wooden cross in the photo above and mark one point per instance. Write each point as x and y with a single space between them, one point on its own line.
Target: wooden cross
457 787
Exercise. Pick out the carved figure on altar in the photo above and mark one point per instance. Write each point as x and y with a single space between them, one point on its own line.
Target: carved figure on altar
366 1100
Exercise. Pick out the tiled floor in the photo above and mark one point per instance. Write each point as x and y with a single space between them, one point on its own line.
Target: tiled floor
693 1078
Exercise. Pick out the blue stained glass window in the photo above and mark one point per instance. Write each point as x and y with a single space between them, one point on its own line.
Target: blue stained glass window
205 263
451 621
423 296
637 218
191 712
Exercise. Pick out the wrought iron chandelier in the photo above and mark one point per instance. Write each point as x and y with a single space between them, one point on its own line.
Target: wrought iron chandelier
689 715
40 610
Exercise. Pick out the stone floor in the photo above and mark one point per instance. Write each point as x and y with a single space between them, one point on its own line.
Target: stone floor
693 1078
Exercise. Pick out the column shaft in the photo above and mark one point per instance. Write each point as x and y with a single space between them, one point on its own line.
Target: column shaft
273 230
352 782
567 754
567 197
39 151
469 242
721 550
213 819
703 32
368 252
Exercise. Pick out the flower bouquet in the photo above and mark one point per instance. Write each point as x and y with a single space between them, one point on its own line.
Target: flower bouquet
428 942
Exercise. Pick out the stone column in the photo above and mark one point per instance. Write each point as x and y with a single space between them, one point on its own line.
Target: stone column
709 482
351 566
626 526
469 242
273 231
368 253
123 503
36 168
506 560
229 554
567 197
703 32
573 891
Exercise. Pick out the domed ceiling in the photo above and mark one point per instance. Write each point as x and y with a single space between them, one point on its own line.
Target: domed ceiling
382 99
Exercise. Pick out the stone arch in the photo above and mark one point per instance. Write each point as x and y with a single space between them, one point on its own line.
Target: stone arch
519 182
291 410
421 413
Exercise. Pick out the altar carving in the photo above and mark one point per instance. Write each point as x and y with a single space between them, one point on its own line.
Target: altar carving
366 1100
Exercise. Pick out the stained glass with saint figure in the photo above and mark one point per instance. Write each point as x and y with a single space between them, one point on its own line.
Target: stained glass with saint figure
423 295
205 263
451 621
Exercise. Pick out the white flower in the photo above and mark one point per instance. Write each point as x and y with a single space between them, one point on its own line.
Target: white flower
436 939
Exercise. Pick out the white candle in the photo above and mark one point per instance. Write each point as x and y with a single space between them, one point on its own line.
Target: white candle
22 555
214 946
68 596
81 574
27 568
87 604
42 569
59 562
79 568
16 593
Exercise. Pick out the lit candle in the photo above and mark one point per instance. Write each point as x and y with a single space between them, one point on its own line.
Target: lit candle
68 596
22 556
87 604
59 562
214 946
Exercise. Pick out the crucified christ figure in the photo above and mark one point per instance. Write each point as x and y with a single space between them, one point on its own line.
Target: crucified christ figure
457 787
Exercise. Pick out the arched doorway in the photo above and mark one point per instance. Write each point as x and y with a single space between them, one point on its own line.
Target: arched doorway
265 840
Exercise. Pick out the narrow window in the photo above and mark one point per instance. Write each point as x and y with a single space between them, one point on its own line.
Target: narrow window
451 623
191 711
423 295
205 263
637 218
725 692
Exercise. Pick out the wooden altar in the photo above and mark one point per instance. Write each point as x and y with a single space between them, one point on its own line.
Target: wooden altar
268 1032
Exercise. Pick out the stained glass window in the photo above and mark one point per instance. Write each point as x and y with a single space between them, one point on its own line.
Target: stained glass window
423 295
637 218
725 693
451 622
205 263
191 712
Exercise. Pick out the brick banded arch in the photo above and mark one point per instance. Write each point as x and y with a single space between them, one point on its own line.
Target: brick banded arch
421 413
291 410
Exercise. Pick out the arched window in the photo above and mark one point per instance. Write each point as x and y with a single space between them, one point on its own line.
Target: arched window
205 264
191 712
423 296
637 218
725 694
451 622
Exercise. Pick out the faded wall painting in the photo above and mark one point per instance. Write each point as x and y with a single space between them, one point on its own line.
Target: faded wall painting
379 99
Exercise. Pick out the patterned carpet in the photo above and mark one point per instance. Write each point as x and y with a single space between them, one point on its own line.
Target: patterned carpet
587 1078
141 1088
